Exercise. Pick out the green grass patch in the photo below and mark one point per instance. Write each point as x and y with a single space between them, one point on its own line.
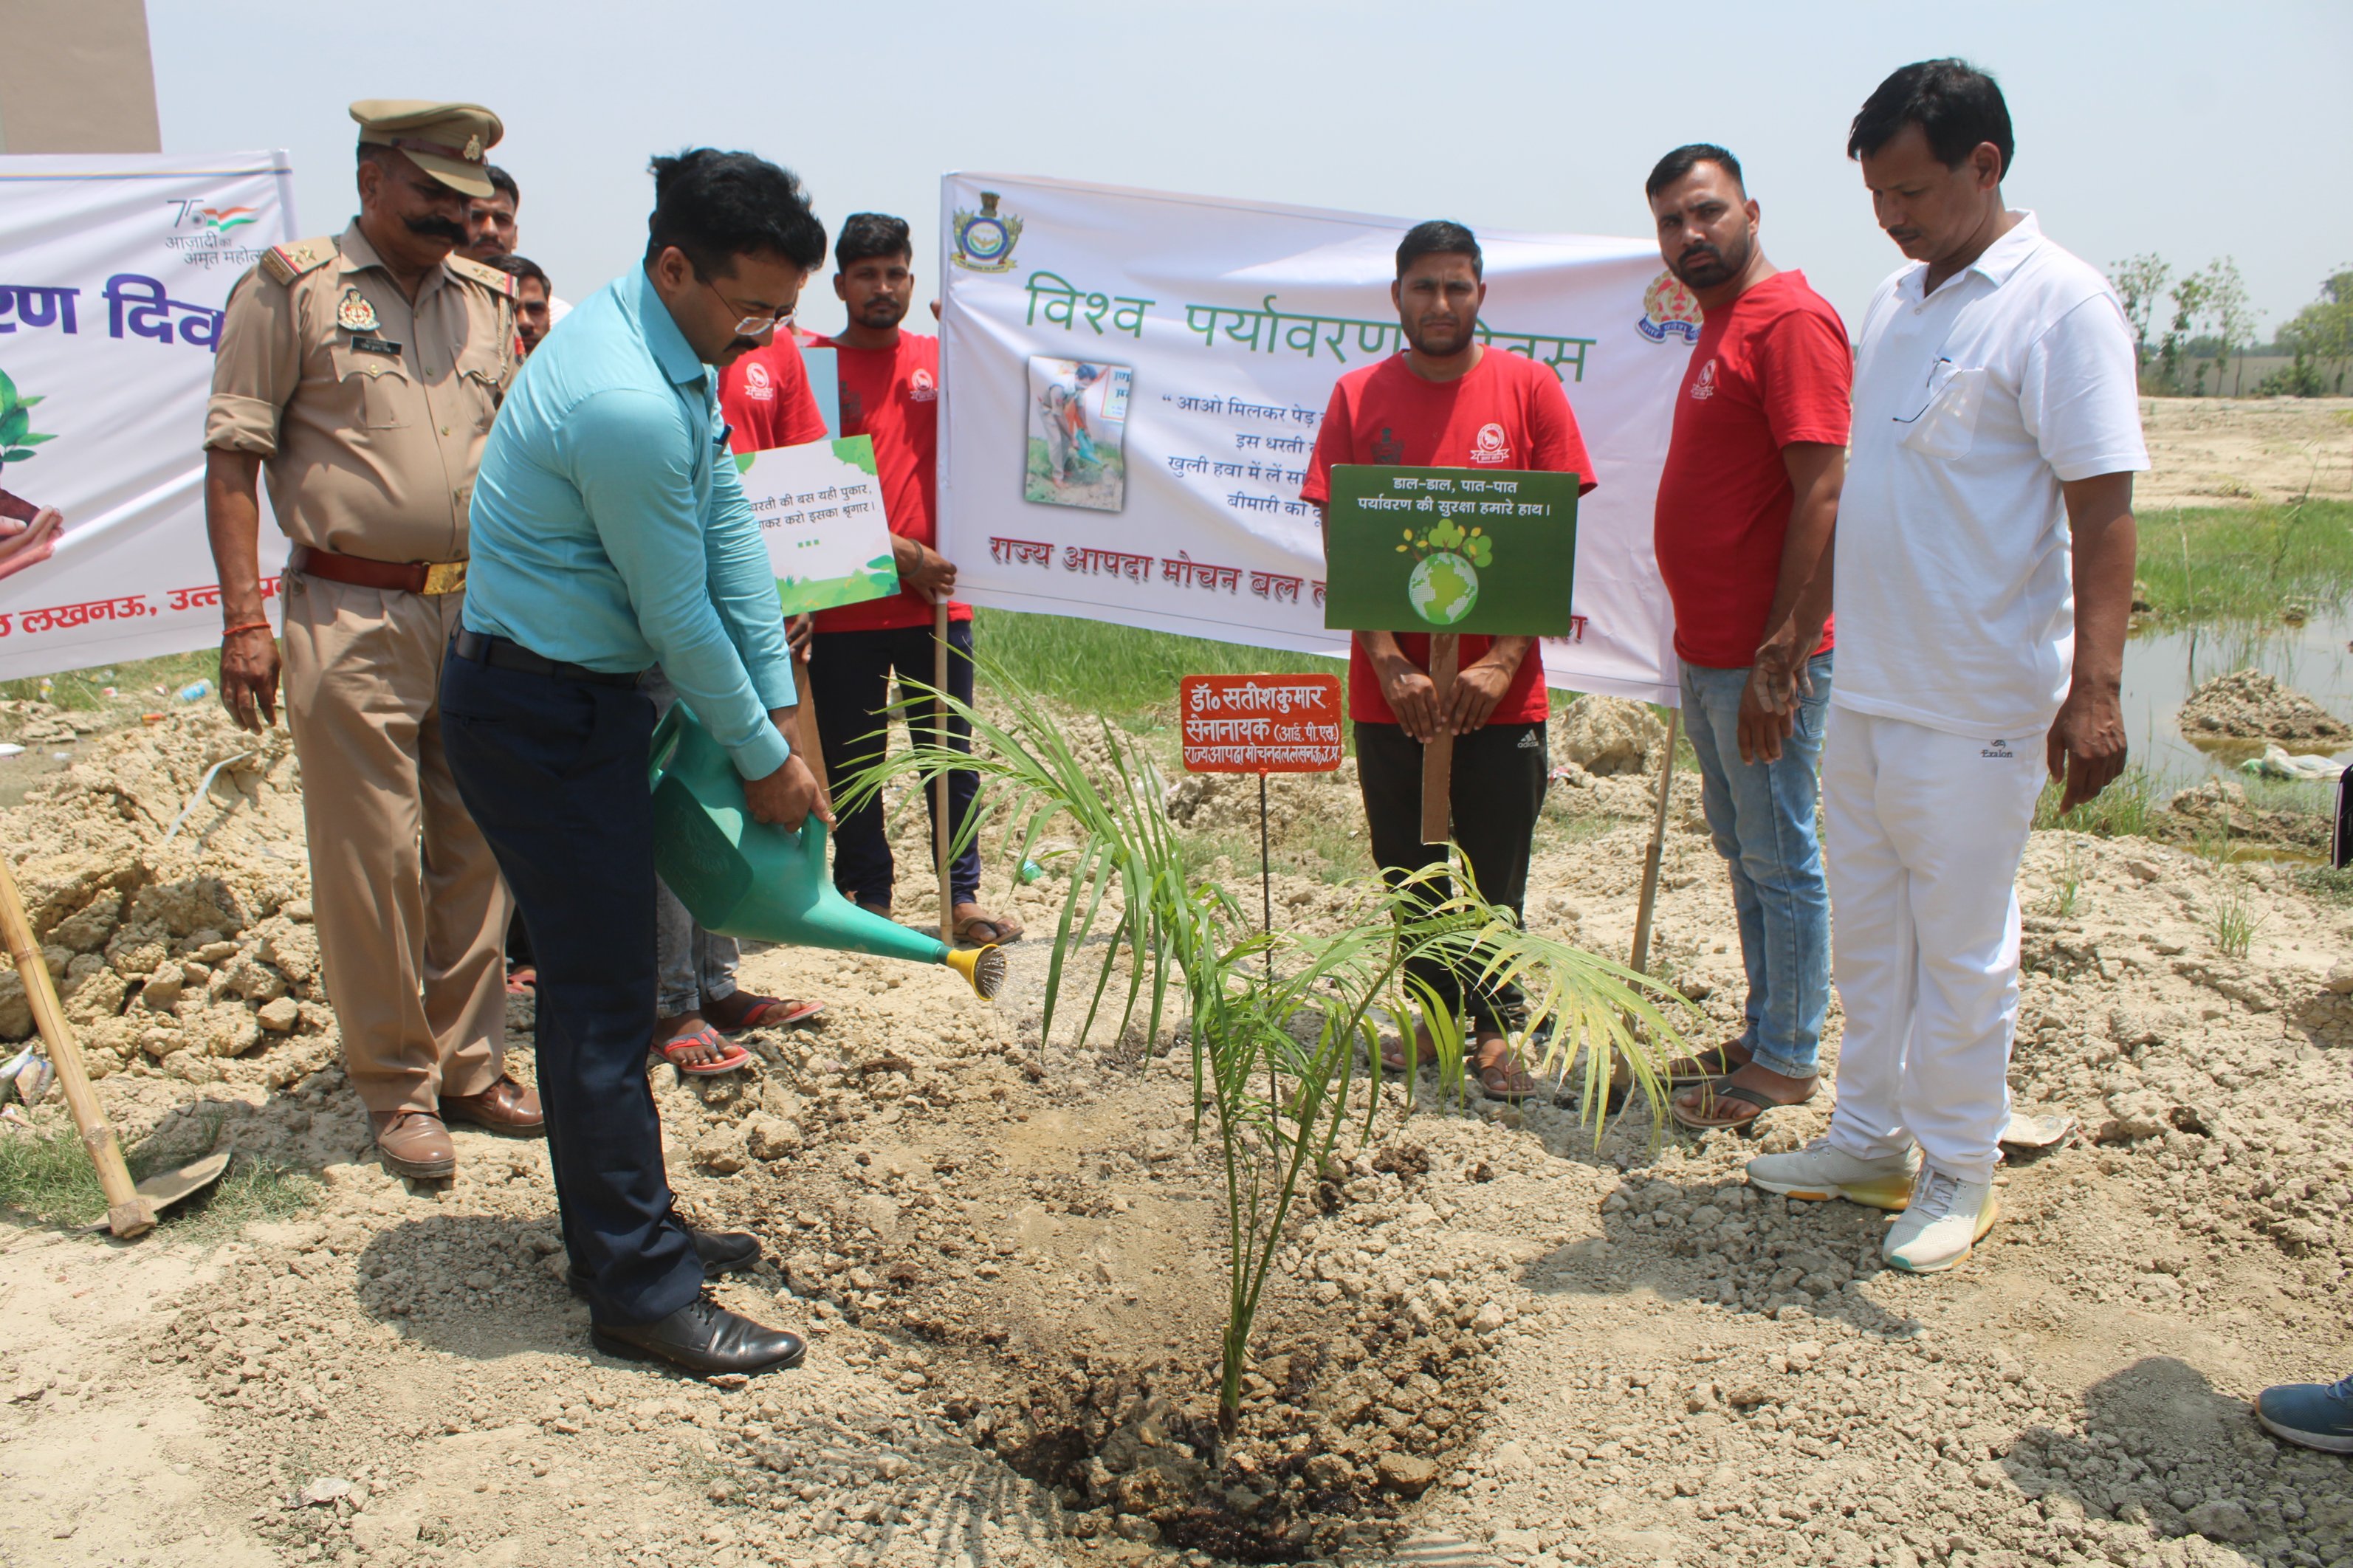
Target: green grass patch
47 1178
2256 562
83 688
2128 808
2327 884
1124 673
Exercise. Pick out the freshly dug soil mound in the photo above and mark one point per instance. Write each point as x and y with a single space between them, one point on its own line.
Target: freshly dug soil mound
2248 705
168 883
1606 735
1064 1276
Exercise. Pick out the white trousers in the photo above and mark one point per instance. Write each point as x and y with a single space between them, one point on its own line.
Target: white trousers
1922 834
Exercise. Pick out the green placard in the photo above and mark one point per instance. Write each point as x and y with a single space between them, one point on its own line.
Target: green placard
1491 552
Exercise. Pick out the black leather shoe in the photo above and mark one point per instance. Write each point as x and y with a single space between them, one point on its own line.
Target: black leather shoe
726 1251
722 1251
703 1338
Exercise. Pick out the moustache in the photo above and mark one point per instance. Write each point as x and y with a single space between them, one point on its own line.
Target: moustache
437 228
743 346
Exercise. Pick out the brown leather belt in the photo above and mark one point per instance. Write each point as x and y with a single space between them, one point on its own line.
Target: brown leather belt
358 572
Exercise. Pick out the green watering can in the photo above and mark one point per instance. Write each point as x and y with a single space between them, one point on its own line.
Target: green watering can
745 879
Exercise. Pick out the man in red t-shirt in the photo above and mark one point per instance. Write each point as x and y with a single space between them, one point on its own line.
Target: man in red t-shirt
1747 504
891 392
1447 401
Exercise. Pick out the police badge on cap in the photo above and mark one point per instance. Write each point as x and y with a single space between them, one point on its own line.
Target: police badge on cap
448 141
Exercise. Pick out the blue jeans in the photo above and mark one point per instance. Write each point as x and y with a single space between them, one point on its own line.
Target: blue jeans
1761 815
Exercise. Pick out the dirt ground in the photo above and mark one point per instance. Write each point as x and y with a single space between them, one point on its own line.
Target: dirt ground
2213 451
1493 1340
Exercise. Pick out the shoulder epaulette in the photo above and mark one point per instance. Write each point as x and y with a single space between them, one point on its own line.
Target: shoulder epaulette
489 278
285 263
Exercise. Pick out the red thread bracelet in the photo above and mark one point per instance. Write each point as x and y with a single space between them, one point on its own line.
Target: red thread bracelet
248 626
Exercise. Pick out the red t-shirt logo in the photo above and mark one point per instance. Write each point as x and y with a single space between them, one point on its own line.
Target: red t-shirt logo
921 388
757 386
1492 445
1704 387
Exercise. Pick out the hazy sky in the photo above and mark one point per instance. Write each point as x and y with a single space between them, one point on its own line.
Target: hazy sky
2195 131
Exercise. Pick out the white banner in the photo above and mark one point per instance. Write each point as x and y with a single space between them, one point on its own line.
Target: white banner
113 272
1134 382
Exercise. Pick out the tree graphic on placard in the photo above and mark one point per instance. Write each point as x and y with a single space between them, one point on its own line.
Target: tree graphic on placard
1445 584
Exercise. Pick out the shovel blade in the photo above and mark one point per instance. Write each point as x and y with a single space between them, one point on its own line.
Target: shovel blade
168 1187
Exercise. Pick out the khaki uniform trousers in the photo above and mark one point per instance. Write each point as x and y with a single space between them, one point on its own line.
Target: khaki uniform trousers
411 911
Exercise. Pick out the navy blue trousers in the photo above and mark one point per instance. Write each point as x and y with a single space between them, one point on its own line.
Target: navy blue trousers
553 771
850 681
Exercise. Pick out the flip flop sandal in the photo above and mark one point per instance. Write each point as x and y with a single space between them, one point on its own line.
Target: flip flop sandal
772 1012
1506 1079
1686 1071
731 1058
1001 931
1393 1060
522 982
1722 1090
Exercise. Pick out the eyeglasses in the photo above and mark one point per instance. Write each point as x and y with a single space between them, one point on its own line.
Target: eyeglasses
748 325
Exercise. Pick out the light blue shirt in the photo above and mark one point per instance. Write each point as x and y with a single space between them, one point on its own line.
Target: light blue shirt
609 529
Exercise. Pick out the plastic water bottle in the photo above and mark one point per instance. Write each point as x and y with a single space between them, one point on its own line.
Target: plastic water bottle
196 691
1031 871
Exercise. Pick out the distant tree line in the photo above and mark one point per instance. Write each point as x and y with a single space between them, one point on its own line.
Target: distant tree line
2210 327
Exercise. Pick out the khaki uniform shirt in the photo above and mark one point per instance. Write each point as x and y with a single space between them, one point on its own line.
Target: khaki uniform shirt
371 433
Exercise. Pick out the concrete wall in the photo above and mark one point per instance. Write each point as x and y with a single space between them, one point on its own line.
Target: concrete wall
75 77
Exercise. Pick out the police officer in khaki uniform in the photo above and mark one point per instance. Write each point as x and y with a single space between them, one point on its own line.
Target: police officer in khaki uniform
361 374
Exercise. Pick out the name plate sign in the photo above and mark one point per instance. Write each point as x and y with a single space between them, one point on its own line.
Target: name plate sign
1261 724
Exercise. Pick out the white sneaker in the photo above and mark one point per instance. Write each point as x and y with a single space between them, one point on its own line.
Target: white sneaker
1820 1173
1945 1218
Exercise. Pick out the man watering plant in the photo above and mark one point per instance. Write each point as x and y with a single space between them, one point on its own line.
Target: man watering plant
610 534
1448 401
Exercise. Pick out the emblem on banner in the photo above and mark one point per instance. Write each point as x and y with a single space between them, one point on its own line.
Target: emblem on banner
985 239
1669 310
355 314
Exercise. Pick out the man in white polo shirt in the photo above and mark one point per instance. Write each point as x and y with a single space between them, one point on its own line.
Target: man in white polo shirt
1984 572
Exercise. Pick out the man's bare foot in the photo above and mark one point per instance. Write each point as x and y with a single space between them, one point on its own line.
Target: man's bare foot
741 1010
1501 1071
674 1043
1425 1051
975 927
1741 1096
1708 1064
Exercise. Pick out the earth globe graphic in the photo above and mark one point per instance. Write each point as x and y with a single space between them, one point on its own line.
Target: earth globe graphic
1442 588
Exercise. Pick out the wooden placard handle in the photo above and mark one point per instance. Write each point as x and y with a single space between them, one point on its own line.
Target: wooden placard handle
1438 752
804 737
940 826
127 1213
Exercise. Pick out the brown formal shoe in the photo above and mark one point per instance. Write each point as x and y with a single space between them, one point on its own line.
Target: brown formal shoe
506 1108
414 1143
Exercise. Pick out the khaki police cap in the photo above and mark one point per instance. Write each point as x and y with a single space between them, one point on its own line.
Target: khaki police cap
450 142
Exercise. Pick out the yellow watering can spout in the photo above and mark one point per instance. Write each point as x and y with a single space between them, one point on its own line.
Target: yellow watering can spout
741 877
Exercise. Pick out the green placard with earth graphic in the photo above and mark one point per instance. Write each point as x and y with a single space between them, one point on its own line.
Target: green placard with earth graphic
1490 552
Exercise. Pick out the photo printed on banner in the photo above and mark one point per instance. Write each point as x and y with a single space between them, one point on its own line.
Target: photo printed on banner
1078 424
